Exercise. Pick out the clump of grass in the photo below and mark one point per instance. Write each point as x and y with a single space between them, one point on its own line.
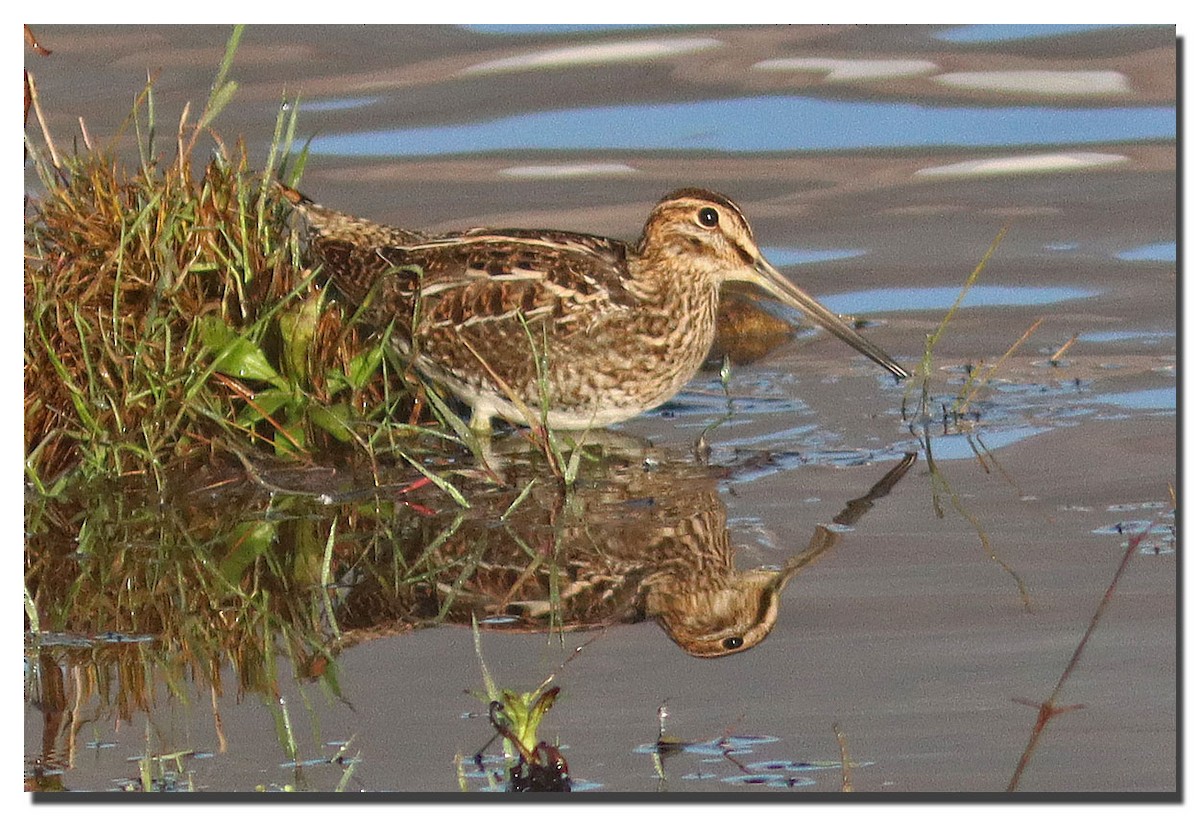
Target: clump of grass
167 313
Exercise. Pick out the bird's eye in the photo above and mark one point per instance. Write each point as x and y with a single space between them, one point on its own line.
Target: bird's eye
731 643
707 217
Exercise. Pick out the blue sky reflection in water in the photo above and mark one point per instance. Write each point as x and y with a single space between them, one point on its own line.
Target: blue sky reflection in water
1149 399
940 298
765 124
1013 31
795 256
955 34
1163 252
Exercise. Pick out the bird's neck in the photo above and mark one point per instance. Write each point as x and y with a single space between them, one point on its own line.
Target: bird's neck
679 307
672 274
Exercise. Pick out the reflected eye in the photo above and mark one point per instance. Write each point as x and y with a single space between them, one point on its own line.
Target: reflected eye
731 643
708 218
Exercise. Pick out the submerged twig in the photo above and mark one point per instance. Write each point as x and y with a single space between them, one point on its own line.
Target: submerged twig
1048 709
844 753
1058 355
31 90
964 397
34 44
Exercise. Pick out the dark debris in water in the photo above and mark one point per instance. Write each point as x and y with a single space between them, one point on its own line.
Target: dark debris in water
739 751
770 780
70 640
547 774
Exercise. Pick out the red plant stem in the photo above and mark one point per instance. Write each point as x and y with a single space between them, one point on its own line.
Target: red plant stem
1048 709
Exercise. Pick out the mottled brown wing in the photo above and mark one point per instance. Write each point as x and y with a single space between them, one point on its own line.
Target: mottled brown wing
493 276
344 246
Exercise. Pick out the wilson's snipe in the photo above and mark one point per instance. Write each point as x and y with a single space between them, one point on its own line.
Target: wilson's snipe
544 326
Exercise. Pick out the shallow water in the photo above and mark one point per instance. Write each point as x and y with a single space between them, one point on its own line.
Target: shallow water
876 166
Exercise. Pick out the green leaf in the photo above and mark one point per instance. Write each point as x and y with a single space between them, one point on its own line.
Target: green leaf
267 402
222 90
236 355
333 419
294 430
249 540
335 382
364 366
218 101
298 327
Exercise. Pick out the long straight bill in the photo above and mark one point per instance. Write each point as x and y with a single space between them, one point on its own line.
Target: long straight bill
788 293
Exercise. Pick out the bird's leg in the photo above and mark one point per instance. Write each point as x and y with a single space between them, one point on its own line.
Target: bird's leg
481 428
481 422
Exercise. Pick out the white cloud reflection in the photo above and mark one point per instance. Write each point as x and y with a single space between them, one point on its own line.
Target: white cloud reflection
1011 165
595 54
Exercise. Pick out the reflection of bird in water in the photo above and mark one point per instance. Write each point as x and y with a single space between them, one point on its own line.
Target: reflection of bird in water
639 544
550 327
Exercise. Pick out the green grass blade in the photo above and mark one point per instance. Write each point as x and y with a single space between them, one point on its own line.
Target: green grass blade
222 90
